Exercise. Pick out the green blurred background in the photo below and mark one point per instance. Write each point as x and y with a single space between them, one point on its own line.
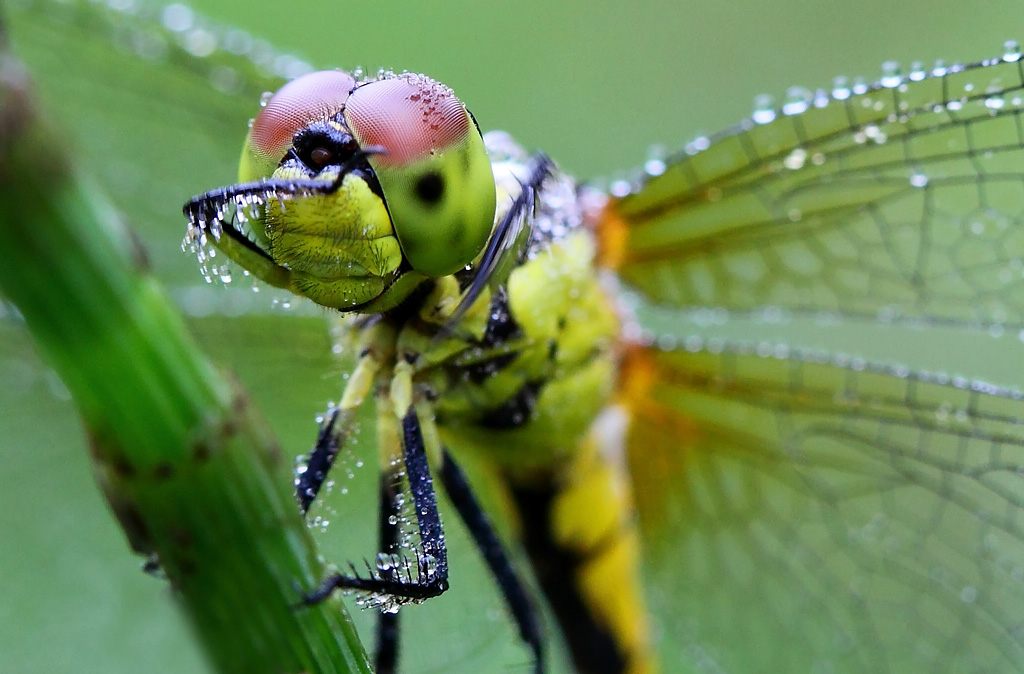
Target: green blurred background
593 85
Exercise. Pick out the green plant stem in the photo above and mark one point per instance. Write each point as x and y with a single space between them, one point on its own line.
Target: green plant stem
189 469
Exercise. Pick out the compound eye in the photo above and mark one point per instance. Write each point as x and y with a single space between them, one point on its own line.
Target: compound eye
311 98
433 170
411 116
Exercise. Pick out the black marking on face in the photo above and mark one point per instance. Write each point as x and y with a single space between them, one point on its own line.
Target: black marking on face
320 145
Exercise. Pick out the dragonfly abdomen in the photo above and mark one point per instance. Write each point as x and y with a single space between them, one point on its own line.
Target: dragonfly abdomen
581 537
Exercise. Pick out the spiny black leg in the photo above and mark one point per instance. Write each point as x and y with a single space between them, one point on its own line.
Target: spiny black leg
321 458
387 644
430 577
388 531
424 498
512 588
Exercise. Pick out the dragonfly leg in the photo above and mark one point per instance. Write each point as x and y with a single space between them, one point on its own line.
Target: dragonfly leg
429 578
386 655
480 528
334 428
321 459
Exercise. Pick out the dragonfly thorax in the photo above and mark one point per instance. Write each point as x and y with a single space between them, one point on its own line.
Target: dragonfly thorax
529 365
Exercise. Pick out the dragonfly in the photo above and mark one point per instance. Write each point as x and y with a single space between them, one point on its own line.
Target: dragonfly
810 497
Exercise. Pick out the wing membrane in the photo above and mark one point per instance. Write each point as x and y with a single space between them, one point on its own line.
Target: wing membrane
903 201
155 104
805 511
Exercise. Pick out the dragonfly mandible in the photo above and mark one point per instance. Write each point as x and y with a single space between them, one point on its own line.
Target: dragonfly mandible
856 231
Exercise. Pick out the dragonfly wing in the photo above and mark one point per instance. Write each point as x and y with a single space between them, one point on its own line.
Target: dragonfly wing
902 201
806 512
154 102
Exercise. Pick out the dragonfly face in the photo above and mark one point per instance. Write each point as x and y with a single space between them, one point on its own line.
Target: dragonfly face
809 508
405 189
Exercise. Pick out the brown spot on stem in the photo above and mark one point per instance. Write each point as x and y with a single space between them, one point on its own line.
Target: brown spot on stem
133 524
187 567
120 464
164 470
182 537
201 452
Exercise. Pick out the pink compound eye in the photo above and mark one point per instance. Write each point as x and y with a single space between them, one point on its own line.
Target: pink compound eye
411 116
310 98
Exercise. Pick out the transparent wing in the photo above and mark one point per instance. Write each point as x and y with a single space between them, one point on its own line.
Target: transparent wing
155 102
903 201
806 512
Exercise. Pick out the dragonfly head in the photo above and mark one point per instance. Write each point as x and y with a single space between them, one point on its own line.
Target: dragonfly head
356 191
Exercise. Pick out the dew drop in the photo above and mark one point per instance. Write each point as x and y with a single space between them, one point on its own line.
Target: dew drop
995 102
654 165
200 43
698 144
797 101
1011 51
764 109
918 179
620 188
891 76
841 88
177 18
796 159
